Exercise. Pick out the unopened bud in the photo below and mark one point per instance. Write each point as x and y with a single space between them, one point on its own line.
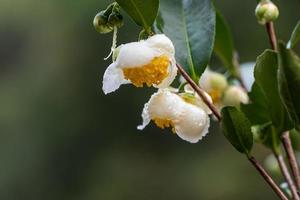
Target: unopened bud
266 11
234 95
106 20
116 19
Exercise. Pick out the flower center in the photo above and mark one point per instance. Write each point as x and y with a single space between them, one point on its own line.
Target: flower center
164 123
153 73
215 95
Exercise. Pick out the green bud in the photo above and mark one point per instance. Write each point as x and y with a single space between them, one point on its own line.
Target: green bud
116 19
101 23
266 11
106 20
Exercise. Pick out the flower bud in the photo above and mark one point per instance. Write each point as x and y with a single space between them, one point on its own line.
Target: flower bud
116 19
101 23
266 11
106 20
234 95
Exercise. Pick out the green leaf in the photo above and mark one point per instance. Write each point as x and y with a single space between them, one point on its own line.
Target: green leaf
289 81
237 129
257 110
223 46
143 12
191 26
295 37
265 74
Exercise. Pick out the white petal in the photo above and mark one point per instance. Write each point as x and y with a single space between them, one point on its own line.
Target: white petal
135 54
145 116
235 95
165 105
193 124
200 103
204 81
161 43
113 78
162 104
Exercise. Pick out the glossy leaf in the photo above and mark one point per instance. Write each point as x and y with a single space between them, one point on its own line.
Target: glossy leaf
191 26
237 129
295 36
265 74
289 81
223 46
257 110
143 12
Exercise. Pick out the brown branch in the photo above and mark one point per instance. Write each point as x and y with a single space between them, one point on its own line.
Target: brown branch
200 92
291 157
268 178
287 176
272 35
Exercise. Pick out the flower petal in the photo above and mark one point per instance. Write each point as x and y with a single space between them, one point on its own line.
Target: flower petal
145 116
193 124
113 78
161 43
135 54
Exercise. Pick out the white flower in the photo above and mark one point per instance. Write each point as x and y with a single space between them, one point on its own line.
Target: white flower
188 120
149 62
234 95
214 83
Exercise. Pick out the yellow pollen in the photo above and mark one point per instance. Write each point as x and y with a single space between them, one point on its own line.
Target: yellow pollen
153 73
215 95
164 123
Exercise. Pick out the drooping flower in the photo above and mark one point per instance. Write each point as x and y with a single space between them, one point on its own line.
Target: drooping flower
150 62
214 84
186 115
234 95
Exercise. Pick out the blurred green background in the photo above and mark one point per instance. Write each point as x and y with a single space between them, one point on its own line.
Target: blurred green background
61 138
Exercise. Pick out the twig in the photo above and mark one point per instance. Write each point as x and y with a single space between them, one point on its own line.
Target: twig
287 176
291 157
268 178
200 92
272 35
285 138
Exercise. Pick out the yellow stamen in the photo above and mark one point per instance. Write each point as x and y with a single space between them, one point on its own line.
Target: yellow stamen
164 123
153 73
215 95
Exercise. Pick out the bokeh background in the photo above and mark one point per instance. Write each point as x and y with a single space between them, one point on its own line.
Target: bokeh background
62 138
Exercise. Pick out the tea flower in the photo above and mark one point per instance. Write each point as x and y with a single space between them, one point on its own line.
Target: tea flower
234 95
185 115
149 62
214 83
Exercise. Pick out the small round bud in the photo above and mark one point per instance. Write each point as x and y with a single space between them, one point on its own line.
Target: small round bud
106 20
266 11
116 19
101 23
234 95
